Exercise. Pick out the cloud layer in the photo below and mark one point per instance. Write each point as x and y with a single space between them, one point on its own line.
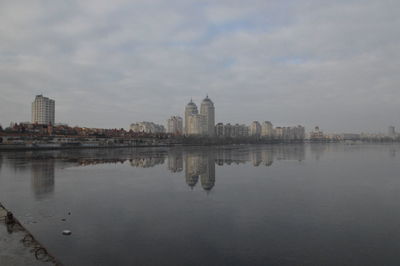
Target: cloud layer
110 63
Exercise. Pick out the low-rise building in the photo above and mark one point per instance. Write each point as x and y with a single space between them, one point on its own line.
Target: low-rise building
147 127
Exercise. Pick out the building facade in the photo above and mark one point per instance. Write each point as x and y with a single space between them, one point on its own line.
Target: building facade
202 123
147 127
197 125
208 111
43 110
190 109
267 130
175 125
255 129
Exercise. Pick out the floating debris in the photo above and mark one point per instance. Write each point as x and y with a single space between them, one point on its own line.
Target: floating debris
67 232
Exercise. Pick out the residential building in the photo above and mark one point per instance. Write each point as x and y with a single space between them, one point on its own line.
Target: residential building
175 125
147 127
203 123
255 129
43 110
207 110
267 130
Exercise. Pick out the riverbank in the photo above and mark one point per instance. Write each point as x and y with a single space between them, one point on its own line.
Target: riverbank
18 247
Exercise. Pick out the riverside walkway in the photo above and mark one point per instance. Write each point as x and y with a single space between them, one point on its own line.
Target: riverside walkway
18 247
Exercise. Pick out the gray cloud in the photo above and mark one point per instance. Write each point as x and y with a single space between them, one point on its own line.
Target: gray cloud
110 63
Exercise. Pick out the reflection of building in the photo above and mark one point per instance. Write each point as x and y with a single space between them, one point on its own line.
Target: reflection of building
146 162
256 158
43 110
43 176
175 161
207 177
318 150
200 165
192 169
267 157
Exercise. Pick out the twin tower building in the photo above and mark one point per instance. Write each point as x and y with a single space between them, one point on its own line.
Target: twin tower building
202 123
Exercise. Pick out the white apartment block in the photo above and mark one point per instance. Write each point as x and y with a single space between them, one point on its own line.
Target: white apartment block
43 110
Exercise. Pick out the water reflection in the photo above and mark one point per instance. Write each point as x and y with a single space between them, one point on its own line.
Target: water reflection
175 161
43 176
198 163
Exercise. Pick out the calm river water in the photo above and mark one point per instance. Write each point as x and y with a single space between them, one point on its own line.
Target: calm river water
313 204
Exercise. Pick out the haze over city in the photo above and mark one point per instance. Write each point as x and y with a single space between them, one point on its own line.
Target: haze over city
110 63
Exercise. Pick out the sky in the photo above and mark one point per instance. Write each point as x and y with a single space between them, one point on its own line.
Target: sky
108 64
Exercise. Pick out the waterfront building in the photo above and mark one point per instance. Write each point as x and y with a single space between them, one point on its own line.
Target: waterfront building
147 127
227 130
219 130
317 134
203 123
267 129
255 129
300 132
207 110
231 131
196 125
175 125
278 132
243 131
190 109
43 110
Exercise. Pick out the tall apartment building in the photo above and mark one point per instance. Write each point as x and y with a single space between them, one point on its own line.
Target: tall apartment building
208 111
267 130
175 125
190 109
255 128
43 110
196 125
203 123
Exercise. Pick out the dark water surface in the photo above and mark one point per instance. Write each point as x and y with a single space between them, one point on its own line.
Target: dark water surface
244 205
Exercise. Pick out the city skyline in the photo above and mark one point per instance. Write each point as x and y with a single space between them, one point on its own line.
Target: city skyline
292 62
198 123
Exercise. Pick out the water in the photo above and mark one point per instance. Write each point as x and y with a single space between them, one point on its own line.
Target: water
244 205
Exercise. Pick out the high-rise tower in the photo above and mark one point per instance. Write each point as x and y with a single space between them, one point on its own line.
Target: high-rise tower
43 110
208 111
190 109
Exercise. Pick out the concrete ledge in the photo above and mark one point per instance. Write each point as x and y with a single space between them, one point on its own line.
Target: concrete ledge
18 247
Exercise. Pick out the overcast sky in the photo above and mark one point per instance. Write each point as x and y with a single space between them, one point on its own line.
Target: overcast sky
106 63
